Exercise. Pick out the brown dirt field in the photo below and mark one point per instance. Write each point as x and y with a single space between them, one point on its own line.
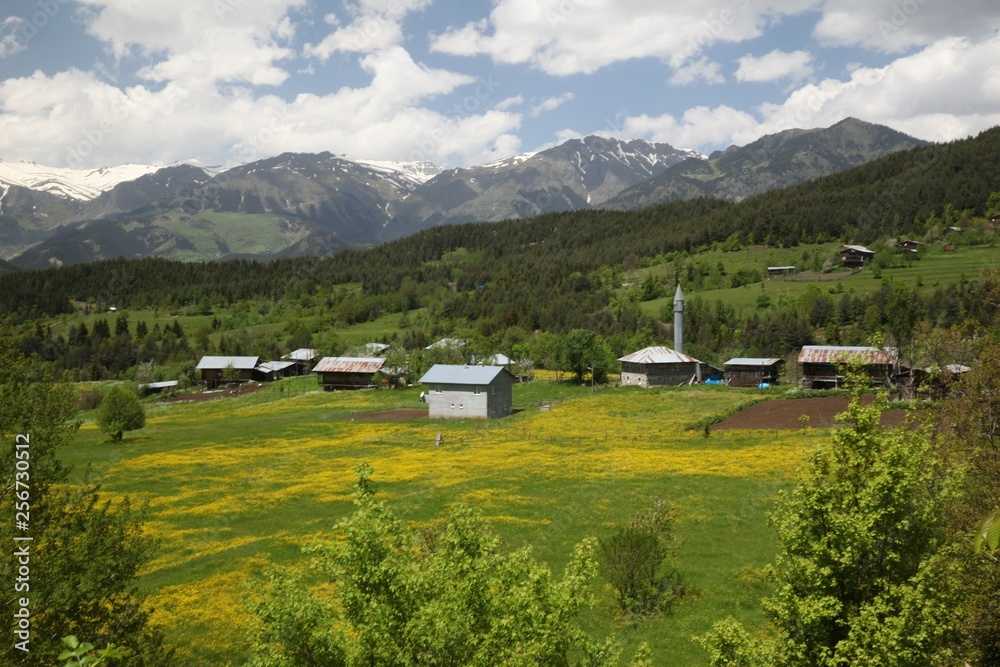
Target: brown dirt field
241 390
402 414
785 413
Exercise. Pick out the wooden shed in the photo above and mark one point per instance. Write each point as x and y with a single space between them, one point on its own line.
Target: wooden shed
214 369
823 366
348 372
479 392
752 371
662 367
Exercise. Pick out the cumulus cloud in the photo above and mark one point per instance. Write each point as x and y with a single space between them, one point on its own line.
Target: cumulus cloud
198 43
948 90
774 66
12 38
551 103
564 37
702 69
374 25
901 25
75 119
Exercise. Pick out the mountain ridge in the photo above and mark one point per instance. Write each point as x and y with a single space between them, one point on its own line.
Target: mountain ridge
307 203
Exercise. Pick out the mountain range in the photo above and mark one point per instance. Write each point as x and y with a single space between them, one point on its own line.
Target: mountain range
297 203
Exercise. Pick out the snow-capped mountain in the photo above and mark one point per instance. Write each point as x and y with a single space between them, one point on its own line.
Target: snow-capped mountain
80 184
577 174
298 203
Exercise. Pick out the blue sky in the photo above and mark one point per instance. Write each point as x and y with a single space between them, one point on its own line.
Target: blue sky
90 83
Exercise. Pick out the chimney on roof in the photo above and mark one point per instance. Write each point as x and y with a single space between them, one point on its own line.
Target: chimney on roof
679 320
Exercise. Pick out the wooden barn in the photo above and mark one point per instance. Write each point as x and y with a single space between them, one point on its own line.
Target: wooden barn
855 256
348 372
214 370
752 371
267 371
479 392
302 360
823 366
663 367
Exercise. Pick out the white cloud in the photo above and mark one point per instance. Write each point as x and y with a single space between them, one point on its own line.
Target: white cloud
551 103
947 91
702 69
775 65
12 38
376 25
504 104
198 44
904 24
698 127
565 37
75 119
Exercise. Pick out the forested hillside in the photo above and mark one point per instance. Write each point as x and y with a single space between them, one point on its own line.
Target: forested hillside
556 273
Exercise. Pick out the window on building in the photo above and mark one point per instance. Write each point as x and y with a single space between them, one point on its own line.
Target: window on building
477 390
437 389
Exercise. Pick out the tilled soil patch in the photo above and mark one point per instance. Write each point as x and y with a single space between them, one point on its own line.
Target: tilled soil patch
787 413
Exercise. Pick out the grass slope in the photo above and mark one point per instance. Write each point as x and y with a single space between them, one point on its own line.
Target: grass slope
235 483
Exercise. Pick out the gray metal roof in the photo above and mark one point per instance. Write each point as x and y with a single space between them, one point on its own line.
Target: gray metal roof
160 385
453 374
445 343
658 355
239 363
349 365
753 361
301 354
859 248
271 366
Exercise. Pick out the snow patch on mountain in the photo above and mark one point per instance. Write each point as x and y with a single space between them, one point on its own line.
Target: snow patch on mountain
511 161
80 184
418 172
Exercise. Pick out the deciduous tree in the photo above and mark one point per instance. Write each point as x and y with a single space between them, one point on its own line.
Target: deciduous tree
120 411
865 576
84 553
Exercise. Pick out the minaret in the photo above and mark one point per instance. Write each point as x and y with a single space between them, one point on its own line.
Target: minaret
679 320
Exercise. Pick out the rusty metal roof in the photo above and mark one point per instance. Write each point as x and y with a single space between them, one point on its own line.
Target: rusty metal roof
658 355
349 365
834 354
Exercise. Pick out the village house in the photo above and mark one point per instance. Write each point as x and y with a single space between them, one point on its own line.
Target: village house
909 246
662 367
778 271
216 370
823 366
479 392
267 371
302 360
348 372
855 256
752 371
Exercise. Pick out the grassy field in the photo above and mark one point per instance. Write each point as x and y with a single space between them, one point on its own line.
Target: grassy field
235 483
935 268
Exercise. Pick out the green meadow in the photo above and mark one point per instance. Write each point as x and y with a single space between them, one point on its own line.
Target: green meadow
935 268
236 483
